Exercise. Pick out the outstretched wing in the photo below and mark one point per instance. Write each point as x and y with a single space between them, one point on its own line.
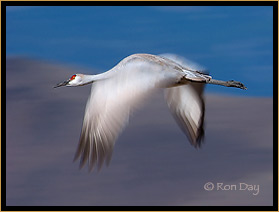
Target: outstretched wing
186 103
187 107
113 99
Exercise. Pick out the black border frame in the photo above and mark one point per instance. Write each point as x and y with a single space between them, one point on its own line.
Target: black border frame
4 207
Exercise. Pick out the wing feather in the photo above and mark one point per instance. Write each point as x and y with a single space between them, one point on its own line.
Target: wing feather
111 102
187 107
186 102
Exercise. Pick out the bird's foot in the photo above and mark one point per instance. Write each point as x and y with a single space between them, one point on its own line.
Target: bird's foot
236 84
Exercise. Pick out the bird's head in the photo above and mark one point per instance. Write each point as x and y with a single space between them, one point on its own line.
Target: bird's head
75 80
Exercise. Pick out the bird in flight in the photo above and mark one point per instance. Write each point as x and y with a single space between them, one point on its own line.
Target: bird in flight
117 92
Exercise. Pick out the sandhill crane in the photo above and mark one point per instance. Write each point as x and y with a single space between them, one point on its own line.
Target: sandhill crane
117 92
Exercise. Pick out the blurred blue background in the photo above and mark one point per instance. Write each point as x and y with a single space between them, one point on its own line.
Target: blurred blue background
232 42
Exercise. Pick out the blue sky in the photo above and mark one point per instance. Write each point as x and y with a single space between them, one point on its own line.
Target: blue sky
231 42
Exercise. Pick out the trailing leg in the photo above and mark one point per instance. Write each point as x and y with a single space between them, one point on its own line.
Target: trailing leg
230 83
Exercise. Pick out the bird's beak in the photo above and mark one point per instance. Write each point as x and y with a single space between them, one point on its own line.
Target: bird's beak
62 84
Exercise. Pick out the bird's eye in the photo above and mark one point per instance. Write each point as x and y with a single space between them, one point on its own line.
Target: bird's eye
73 77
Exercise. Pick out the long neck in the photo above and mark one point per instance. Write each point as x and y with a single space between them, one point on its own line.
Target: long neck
87 79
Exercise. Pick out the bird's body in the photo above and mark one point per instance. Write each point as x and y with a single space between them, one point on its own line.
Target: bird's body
117 92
